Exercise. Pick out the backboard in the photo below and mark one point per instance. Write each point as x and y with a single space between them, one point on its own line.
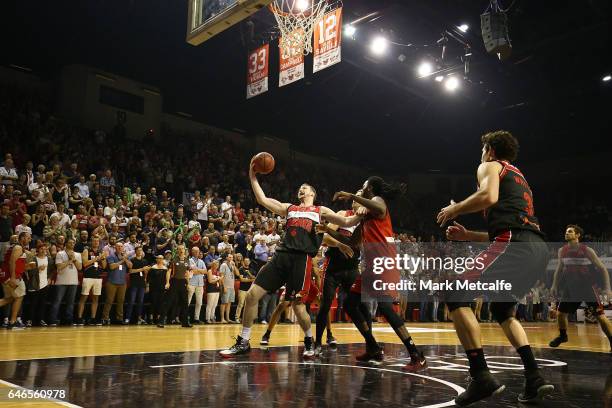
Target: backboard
208 18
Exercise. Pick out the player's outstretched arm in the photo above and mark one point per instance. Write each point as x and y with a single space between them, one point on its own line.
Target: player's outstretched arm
271 204
376 206
334 218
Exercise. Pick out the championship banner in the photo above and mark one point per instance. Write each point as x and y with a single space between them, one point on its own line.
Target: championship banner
327 40
291 58
257 76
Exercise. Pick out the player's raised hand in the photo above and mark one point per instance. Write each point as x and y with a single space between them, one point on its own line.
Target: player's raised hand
342 195
456 232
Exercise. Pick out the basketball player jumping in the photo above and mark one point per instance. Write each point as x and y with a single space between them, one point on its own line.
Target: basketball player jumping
517 252
575 274
378 240
292 262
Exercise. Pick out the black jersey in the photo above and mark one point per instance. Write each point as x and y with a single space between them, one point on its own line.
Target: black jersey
300 232
514 208
93 270
336 261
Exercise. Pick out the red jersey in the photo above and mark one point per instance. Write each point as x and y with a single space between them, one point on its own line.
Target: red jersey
378 230
378 242
301 234
575 261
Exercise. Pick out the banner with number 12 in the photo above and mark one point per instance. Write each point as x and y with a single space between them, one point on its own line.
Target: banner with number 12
327 40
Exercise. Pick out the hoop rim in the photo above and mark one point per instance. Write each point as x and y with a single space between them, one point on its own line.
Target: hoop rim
273 7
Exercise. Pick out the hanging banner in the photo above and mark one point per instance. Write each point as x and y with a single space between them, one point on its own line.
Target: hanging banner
257 74
327 40
291 58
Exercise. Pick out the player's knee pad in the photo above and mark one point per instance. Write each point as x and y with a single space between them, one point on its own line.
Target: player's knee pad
502 311
452 306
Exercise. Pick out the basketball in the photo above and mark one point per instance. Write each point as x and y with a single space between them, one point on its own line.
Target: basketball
264 162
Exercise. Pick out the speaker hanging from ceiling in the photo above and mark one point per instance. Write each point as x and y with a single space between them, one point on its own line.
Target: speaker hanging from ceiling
494 26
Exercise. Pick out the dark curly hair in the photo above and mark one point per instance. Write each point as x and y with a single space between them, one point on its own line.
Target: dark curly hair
578 230
503 143
388 191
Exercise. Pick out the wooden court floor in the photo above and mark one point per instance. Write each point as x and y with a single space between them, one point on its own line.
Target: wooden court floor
61 342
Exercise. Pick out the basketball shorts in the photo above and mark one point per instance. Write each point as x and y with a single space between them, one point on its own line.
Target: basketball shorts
518 257
570 307
290 269
14 292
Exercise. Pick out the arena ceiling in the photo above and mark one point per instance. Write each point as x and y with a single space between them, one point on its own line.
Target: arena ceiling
366 110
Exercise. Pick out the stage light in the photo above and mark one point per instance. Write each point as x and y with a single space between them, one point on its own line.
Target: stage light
349 30
425 69
439 78
606 78
451 84
463 28
302 5
379 45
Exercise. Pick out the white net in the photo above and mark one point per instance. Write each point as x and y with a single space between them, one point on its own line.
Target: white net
296 20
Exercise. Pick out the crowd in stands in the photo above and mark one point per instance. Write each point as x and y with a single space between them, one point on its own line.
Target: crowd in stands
90 217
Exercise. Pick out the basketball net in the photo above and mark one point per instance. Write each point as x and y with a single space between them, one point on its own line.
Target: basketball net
296 20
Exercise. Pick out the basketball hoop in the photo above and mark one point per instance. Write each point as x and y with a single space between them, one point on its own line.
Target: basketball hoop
296 20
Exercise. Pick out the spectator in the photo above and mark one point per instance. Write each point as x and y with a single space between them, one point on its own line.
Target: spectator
53 230
224 246
138 272
118 265
29 174
83 187
213 287
246 280
40 220
24 226
196 283
68 264
211 256
107 182
8 173
94 262
157 281
63 218
37 284
228 271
